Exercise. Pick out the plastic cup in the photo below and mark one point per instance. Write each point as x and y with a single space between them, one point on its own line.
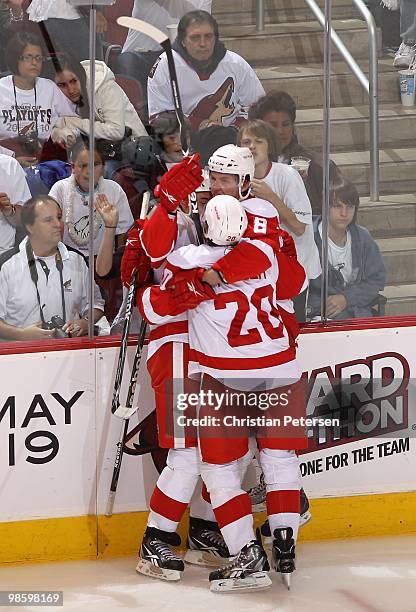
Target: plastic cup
172 31
301 164
407 87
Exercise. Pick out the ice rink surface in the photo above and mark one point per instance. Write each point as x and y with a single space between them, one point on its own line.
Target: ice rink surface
361 575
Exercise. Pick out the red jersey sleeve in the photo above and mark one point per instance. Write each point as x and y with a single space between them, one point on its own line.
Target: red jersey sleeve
157 306
244 261
292 278
158 235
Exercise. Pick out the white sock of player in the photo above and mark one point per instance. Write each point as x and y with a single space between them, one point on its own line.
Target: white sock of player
231 504
281 474
174 489
200 507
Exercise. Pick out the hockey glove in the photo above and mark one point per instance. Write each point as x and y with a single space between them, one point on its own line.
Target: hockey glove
287 244
176 185
134 257
188 290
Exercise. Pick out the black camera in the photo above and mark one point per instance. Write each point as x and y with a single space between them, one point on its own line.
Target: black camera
57 324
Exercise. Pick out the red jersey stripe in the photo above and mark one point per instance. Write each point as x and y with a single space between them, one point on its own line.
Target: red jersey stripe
166 506
243 363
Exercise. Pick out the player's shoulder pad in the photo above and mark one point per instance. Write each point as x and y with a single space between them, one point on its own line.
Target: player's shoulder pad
259 207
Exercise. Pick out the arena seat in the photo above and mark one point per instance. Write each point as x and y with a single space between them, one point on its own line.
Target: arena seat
115 35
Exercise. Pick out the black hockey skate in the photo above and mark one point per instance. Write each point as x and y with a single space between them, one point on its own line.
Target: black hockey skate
305 515
206 545
156 558
283 553
248 571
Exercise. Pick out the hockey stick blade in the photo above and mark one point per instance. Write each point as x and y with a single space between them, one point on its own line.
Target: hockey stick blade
123 412
160 37
146 28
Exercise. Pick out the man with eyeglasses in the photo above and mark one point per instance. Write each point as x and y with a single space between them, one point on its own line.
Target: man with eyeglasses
43 283
217 86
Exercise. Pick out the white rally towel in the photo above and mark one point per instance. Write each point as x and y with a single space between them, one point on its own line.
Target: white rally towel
41 10
38 10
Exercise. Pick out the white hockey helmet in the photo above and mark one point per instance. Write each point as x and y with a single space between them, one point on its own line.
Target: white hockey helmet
224 220
231 159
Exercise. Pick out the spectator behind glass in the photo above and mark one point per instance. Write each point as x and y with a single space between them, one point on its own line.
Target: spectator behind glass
114 113
66 27
44 284
159 13
73 196
146 160
166 132
356 270
13 192
29 104
405 54
283 187
140 51
216 85
279 109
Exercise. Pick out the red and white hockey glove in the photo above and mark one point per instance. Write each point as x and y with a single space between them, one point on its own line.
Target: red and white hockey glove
176 185
134 257
287 244
188 290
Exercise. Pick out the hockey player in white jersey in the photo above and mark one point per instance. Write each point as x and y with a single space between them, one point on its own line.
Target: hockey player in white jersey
231 169
225 342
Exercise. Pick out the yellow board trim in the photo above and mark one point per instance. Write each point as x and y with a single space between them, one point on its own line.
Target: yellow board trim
91 537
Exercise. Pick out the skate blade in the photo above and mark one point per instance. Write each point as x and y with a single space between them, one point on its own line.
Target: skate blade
286 578
304 518
148 569
267 540
261 507
254 582
205 558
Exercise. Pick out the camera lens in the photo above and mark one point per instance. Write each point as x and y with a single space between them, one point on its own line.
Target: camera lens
57 321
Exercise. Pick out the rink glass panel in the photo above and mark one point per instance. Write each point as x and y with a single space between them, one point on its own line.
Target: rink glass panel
278 59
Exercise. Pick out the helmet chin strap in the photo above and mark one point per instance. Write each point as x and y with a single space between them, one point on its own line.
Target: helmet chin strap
240 195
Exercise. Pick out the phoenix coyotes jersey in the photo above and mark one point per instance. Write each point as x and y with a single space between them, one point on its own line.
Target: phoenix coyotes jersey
222 97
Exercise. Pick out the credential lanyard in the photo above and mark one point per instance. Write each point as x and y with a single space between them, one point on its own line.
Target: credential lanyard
34 276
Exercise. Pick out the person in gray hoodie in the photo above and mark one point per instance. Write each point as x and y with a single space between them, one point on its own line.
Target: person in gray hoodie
356 270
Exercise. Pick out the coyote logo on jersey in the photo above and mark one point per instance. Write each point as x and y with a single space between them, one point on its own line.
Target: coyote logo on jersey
215 107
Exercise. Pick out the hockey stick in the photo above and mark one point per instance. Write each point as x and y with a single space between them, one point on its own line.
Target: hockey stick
161 38
126 411
125 423
116 409
115 404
